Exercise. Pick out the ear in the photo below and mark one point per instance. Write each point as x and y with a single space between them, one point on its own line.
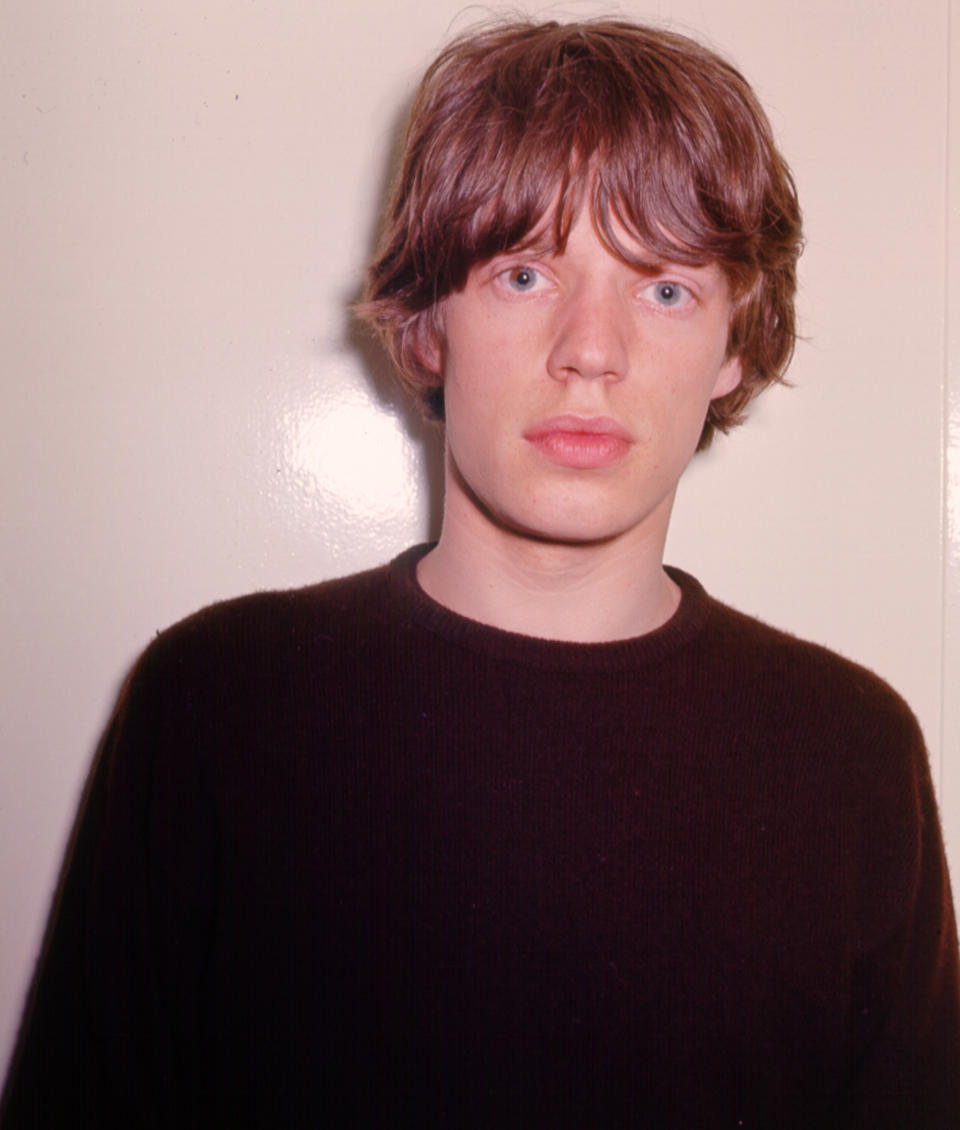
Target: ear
729 376
428 341
428 352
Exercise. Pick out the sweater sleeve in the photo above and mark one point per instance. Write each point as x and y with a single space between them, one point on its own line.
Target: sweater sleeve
113 1035
907 968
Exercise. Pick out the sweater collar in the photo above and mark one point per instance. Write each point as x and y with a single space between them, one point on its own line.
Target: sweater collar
416 609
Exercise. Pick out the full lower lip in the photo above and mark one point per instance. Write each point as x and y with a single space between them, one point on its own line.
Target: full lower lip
570 441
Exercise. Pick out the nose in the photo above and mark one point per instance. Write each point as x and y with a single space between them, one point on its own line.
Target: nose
589 336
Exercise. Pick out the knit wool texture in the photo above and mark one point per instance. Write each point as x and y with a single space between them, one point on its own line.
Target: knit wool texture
351 860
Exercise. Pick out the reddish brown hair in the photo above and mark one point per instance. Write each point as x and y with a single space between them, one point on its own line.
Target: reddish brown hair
521 122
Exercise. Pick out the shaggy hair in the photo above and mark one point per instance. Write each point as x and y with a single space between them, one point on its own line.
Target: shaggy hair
520 124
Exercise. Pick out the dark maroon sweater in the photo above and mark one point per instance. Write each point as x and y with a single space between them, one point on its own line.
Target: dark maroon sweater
350 860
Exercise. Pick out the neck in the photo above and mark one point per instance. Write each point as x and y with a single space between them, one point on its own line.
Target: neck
584 593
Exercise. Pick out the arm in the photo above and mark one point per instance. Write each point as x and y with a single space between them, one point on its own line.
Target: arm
909 1074
111 1031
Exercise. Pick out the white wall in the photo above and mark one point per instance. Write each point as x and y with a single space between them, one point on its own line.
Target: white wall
188 194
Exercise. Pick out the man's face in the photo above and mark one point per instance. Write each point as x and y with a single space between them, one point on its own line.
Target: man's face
575 390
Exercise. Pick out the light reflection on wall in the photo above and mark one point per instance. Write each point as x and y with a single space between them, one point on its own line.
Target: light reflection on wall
349 466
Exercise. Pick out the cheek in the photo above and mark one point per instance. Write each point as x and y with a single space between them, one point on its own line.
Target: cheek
470 415
482 381
670 406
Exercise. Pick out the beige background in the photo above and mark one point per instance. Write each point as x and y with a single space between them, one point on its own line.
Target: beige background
188 193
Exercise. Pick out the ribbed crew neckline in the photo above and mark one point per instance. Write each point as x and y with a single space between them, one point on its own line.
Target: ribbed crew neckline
416 607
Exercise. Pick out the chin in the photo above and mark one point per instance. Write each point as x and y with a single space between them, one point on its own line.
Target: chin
568 530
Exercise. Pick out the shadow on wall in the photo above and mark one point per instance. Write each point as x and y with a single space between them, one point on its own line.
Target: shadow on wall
375 363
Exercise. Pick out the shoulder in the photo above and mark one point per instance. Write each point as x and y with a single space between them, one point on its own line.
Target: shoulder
833 737
277 615
262 637
796 684
794 689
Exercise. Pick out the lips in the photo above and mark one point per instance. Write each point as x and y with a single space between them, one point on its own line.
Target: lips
582 443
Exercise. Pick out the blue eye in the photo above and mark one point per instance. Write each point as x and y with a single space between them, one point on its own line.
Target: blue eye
667 293
522 279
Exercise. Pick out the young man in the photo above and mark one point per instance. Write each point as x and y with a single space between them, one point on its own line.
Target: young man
523 830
